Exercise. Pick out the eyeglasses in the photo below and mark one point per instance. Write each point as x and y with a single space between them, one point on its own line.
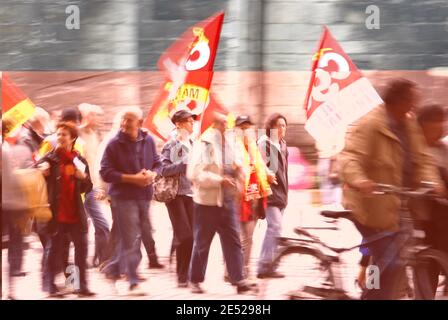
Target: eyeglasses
190 120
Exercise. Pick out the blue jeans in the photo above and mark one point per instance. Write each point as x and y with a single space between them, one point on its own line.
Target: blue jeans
93 209
269 248
115 265
385 254
207 220
131 216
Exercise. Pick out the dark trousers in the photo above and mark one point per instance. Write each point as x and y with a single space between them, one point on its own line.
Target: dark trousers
385 253
56 248
149 243
436 230
15 245
180 210
209 220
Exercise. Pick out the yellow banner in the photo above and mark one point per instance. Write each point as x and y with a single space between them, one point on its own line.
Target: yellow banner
192 92
20 113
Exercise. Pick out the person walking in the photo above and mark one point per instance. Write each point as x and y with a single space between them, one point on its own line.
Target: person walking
130 163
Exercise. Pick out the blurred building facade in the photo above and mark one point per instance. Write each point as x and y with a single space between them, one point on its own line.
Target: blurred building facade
263 59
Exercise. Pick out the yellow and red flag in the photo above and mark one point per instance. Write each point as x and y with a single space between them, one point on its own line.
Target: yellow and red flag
208 115
188 66
338 93
16 106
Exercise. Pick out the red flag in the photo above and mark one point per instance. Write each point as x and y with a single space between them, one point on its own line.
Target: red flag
15 104
188 66
207 116
338 93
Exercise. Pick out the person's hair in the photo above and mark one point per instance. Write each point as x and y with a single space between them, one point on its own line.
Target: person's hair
431 113
218 118
40 115
7 125
271 122
71 128
133 110
71 114
397 89
87 109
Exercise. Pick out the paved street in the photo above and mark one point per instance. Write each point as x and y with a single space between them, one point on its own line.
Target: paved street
161 284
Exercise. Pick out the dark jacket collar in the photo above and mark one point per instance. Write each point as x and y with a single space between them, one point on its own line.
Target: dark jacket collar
123 138
53 156
35 136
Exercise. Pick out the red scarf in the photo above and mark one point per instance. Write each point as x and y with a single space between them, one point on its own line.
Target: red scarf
67 212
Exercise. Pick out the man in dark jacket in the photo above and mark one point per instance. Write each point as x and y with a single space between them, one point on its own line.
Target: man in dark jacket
274 150
128 165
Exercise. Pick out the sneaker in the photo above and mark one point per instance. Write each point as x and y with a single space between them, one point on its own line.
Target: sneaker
156 265
84 293
102 266
196 288
136 291
246 288
140 278
273 275
112 277
182 284
56 294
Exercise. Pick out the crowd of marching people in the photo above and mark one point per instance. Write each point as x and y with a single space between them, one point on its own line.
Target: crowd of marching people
219 183
222 181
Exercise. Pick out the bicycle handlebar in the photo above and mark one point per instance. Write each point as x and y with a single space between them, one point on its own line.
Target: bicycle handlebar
423 192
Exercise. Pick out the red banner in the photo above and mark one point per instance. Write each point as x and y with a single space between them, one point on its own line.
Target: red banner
15 104
338 94
188 66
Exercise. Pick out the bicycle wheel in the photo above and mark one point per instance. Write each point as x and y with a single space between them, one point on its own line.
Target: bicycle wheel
425 288
308 275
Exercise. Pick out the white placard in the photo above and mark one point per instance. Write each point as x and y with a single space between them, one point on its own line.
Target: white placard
79 165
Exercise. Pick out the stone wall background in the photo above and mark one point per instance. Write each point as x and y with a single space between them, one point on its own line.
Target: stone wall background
257 34
263 59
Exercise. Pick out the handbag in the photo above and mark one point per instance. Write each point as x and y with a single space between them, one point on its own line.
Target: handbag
165 188
33 184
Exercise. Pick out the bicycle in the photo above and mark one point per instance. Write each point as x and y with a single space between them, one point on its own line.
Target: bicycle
328 258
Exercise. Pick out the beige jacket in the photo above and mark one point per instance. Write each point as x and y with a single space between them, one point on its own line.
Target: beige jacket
373 152
205 167
91 145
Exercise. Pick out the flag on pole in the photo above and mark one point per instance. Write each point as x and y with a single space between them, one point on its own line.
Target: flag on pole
188 66
208 115
16 106
338 93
